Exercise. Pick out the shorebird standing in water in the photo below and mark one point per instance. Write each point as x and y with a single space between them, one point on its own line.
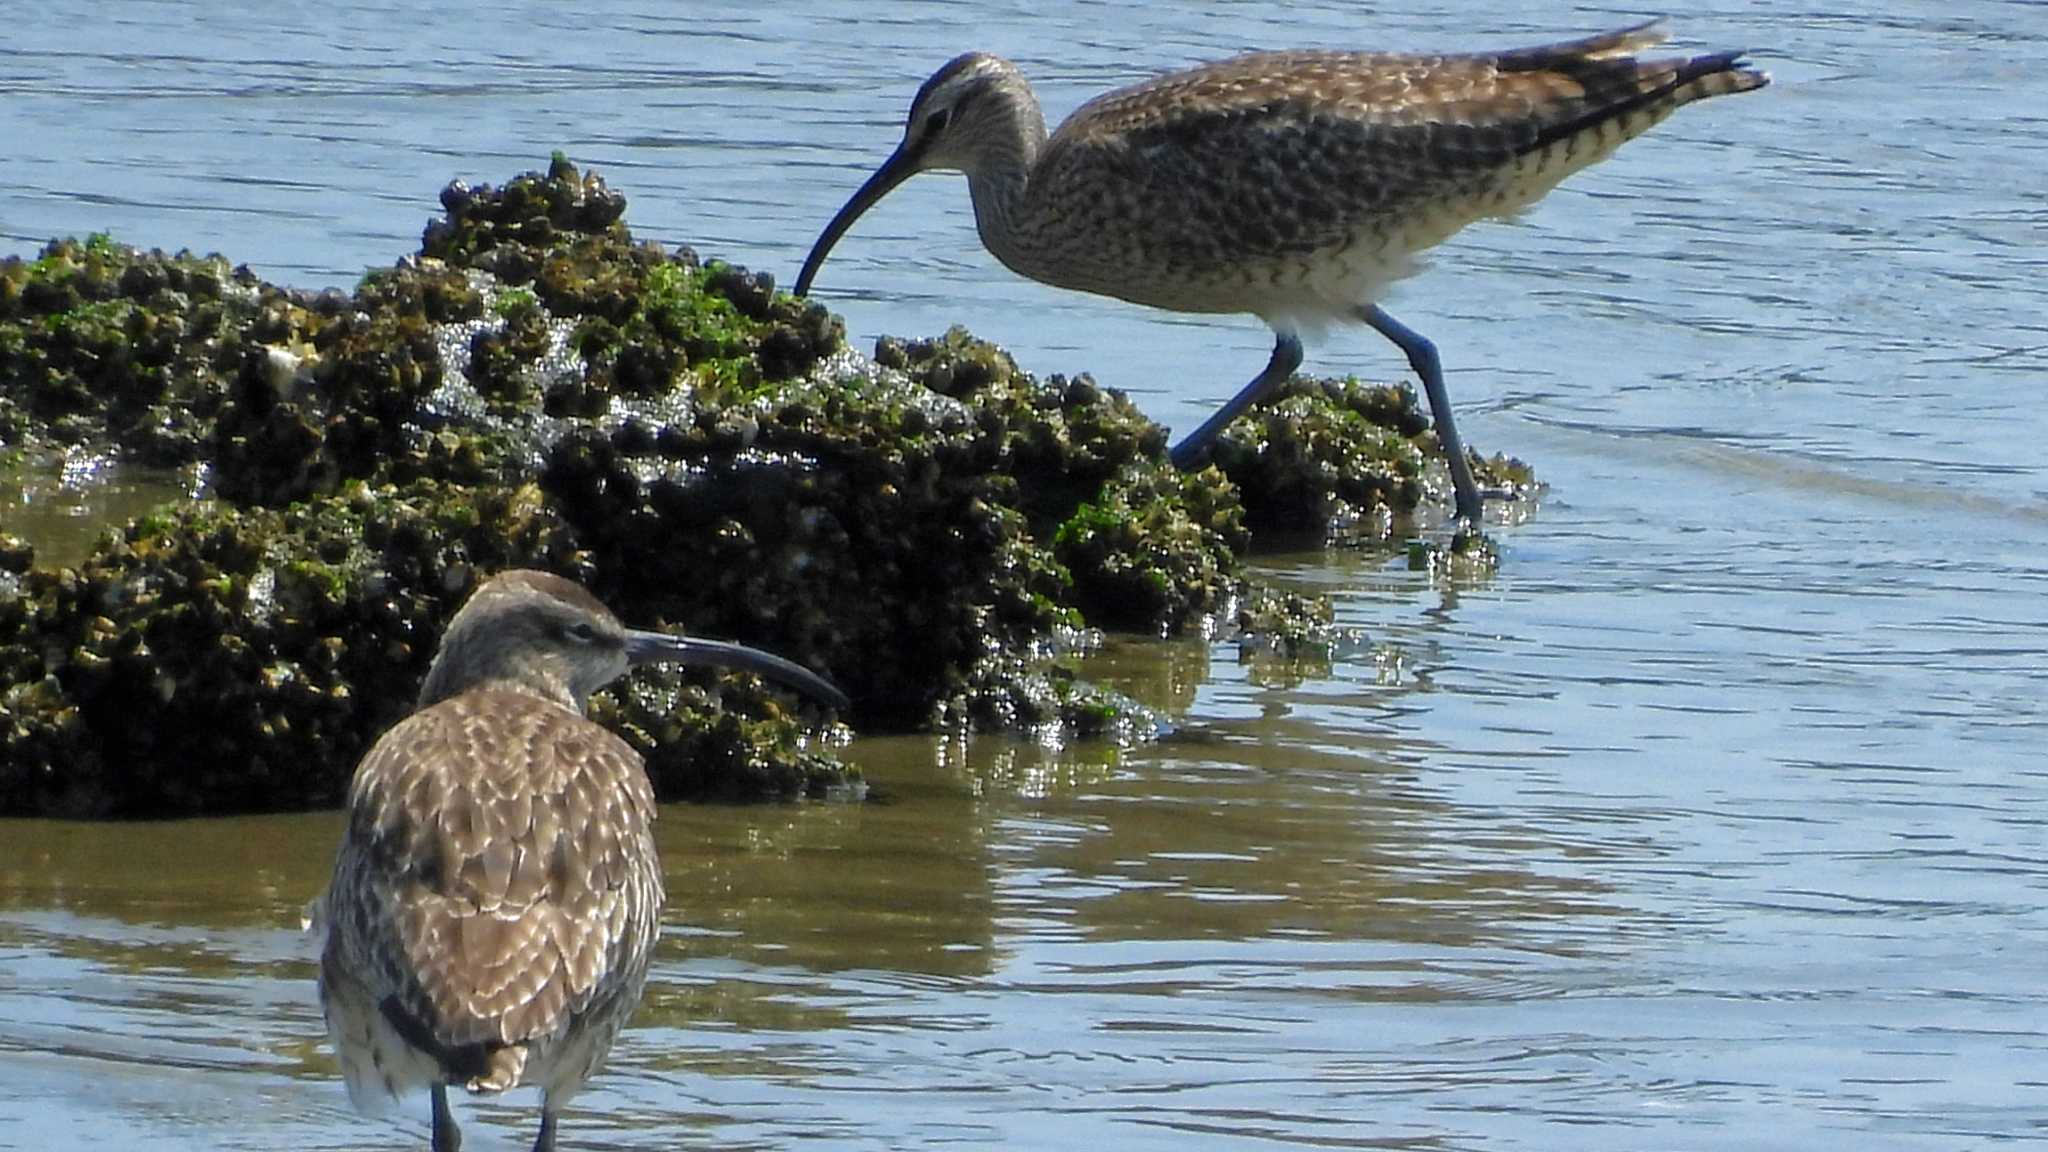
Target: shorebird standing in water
497 895
1292 185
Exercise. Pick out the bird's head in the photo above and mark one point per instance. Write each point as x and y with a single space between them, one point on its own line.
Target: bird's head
544 634
967 110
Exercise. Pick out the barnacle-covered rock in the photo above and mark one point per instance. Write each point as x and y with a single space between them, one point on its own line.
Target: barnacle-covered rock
707 737
1328 455
1344 460
935 528
107 346
1155 550
210 659
918 544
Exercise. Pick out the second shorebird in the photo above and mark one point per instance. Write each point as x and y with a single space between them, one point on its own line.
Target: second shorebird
497 895
1292 185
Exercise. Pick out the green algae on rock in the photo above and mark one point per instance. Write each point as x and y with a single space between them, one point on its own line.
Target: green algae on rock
1156 550
920 546
211 659
1324 455
705 737
1351 462
934 527
108 346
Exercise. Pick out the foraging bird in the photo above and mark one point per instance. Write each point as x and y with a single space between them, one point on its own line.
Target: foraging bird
1296 186
497 894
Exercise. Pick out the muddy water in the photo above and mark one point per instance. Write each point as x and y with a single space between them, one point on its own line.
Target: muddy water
1717 820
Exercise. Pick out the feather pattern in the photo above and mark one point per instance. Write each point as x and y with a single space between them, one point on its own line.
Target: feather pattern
1303 182
497 896
501 890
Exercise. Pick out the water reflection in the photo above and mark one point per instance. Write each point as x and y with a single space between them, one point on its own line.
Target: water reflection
899 883
185 876
61 501
1262 861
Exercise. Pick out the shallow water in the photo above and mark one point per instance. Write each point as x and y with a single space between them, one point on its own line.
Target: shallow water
1717 820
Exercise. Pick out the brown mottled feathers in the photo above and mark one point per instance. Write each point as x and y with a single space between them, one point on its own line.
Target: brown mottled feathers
1552 83
1307 144
504 848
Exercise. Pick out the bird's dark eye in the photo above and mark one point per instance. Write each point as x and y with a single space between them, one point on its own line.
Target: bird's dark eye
936 122
582 633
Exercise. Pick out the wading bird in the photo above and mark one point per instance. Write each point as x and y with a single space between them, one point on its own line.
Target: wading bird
1296 186
497 895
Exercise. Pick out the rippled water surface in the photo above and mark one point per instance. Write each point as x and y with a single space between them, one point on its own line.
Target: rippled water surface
1717 819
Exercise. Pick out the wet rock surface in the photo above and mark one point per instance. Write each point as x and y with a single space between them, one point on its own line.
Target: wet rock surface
935 528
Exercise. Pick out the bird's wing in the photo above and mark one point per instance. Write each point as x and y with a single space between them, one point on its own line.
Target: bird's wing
508 849
1313 143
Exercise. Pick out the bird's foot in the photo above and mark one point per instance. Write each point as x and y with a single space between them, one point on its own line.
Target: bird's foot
1468 555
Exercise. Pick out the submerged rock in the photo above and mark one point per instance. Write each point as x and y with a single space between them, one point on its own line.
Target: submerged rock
934 527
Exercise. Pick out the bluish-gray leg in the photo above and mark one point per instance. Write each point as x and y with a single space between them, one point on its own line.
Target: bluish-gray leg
447 1137
1422 357
545 1142
1286 358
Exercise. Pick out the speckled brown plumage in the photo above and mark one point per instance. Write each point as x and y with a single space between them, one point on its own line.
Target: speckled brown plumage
1291 185
499 881
497 895
1300 183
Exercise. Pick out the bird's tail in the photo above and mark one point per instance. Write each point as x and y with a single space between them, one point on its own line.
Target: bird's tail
1620 94
1579 100
1604 95
1607 45
1715 74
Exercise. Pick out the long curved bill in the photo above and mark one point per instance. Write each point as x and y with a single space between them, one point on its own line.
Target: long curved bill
895 170
662 648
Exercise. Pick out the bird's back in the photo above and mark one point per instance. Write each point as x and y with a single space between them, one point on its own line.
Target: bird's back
495 901
1229 186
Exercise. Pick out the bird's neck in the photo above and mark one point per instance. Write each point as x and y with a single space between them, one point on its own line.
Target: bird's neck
1000 180
449 678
